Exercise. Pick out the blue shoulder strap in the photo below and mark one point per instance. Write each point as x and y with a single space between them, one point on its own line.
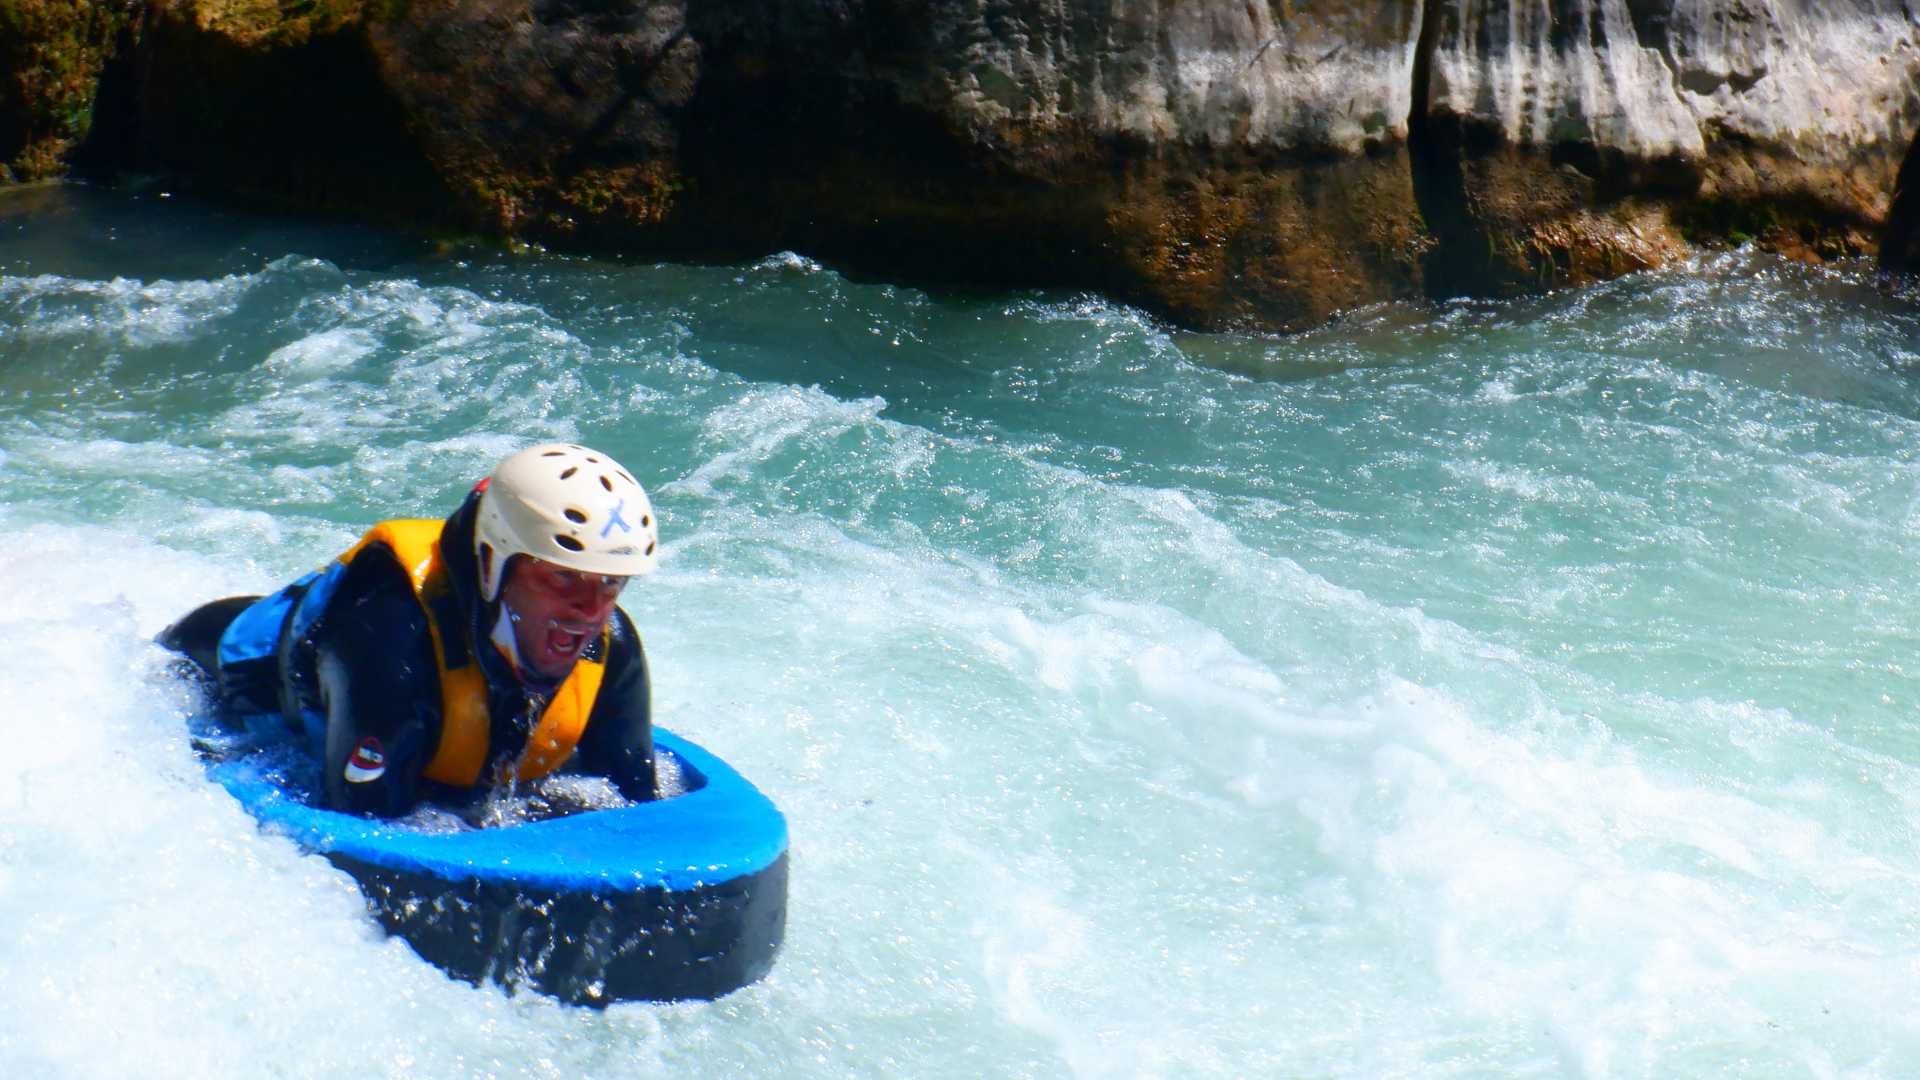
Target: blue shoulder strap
255 633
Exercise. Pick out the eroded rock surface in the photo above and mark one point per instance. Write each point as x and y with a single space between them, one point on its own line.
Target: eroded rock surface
52 55
1224 162
1575 138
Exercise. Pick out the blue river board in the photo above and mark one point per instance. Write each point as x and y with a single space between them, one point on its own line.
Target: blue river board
682 898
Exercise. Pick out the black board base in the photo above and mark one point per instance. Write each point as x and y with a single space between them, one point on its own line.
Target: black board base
586 948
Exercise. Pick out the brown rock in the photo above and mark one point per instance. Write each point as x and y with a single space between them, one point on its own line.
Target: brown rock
1226 164
1570 140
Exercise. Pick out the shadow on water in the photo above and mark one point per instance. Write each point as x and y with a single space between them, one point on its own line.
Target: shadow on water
1830 333
1835 333
1380 336
145 232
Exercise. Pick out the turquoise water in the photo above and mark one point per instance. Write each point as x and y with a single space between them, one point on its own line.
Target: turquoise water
1494 690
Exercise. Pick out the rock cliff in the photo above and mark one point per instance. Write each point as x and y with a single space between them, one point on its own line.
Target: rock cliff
1571 140
1223 162
52 54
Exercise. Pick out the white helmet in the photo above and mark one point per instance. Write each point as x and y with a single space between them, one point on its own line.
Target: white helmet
569 505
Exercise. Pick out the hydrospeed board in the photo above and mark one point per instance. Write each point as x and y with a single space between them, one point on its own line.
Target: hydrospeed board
681 898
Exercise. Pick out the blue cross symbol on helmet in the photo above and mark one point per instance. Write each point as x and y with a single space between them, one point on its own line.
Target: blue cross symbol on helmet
614 518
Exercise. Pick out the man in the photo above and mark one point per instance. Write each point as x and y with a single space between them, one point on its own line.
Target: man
437 659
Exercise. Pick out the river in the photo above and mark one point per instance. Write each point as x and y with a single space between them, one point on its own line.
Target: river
1491 689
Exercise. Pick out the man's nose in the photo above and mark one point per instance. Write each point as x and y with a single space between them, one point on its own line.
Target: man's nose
588 599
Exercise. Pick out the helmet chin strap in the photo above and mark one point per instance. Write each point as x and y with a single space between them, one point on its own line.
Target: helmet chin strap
504 638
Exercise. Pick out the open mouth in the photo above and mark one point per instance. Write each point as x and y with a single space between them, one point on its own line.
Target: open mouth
565 640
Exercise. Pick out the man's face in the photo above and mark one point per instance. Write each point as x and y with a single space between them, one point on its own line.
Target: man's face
559 610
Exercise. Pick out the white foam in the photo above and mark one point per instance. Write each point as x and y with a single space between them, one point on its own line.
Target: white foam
1239 752
149 909
396 356
140 313
765 421
324 353
789 262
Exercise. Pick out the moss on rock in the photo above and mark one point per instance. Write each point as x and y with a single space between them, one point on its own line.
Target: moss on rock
52 53
284 23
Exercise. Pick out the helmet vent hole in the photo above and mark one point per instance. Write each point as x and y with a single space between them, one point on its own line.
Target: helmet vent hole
650 546
578 517
606 483
624 475
646 521
571 469
554 453
568 542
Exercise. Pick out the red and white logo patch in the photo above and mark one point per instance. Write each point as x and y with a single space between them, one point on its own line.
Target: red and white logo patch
367 762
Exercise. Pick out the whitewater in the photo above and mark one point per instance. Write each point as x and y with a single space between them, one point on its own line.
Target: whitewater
1490 689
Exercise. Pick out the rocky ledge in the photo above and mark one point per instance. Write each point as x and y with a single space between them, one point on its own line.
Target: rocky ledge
1225 163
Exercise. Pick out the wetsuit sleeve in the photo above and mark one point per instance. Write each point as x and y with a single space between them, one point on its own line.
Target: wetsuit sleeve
197 638
379 689
618 742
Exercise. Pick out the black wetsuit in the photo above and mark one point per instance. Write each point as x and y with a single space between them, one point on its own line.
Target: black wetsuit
367 666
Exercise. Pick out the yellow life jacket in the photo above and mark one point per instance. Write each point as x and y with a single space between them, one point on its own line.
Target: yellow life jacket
464 722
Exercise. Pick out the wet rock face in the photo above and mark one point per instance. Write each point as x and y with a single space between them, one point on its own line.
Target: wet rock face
547 118
1900 250
52 54
1309 76
1263 163
1568 140
1227 164
275 102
